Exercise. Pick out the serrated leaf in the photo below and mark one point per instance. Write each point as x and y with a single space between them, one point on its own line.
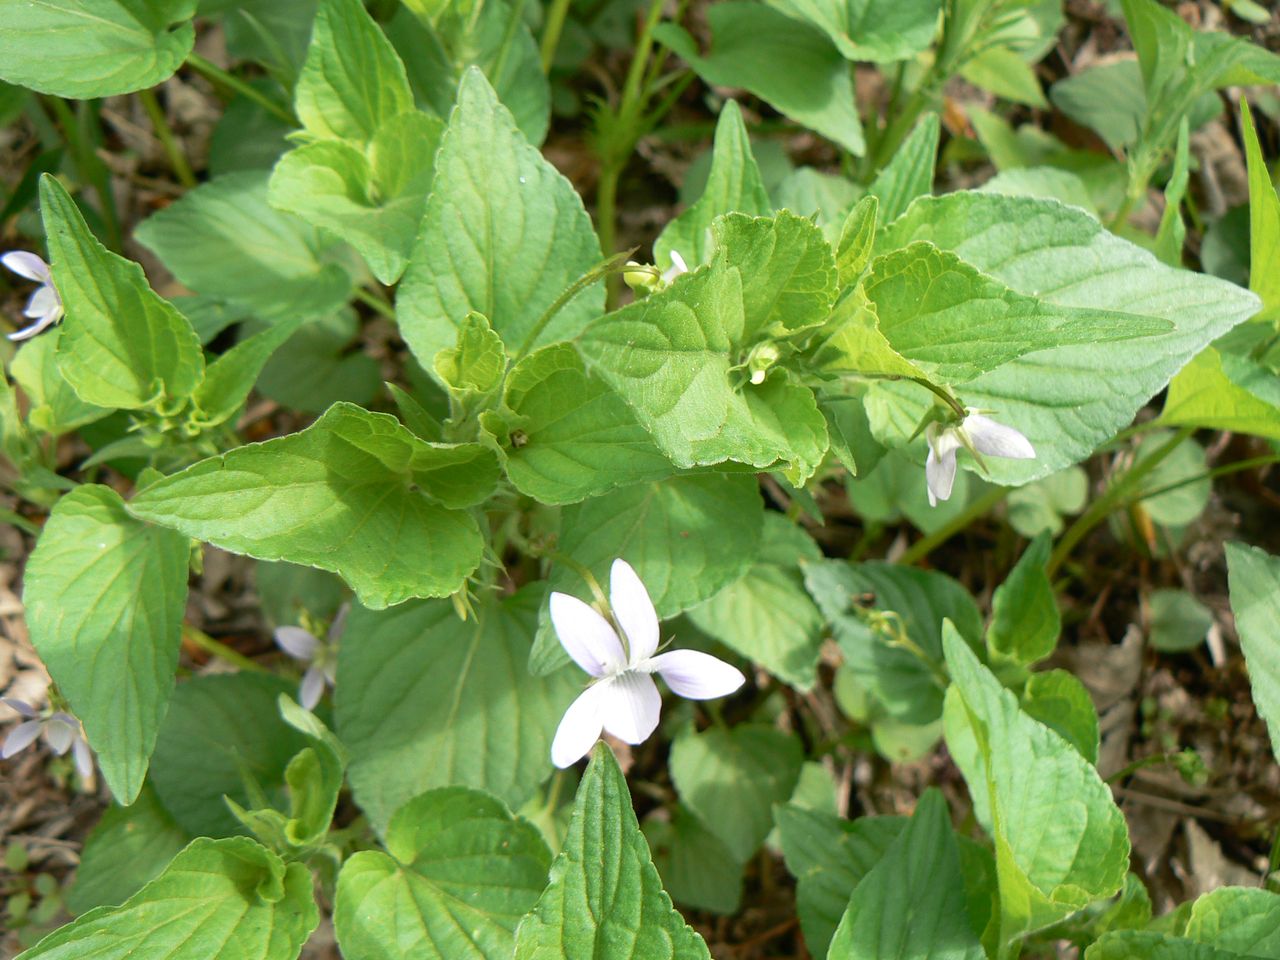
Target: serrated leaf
1145 945
604 900
224 240
104 596
504 235
909 173
731 778
228 379
352 80
851 343
912 903
1221 391
1068 400
54 407
217 898
355 493
881 31
791 64
687 538
857 240
766 615
85 49
1060 840
1024 611
1062 703
569 436
733 184
1264 221
1242 919
476 363
427 700
1254 580
824 198
121 345
459 874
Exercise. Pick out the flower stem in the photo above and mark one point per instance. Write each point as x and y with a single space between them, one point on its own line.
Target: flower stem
551 32
220 650
375 303
975 510
177 159
233 83
605 268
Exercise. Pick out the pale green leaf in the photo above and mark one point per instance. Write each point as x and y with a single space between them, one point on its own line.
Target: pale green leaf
1219 391
1264 221
321 365
1061 702
216 899
459 874
909 174
851 343
1007 74
229 378
1179 622
1254 579
121 345
505 234
605 900
54 407
697 869
881 31
477 361
427 700
1144 945
104 596
825 198
1242 919
353 493
1172 232
86 49
1040 506
857 240
1024 611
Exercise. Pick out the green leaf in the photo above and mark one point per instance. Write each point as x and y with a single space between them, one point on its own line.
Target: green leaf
86 49
1172 232
224 240
857 240
1264 222
1254 580
1007 74
881 31
1241 919
374 198
218 898
605 900
872 606
687 537
223 736
912 903
54 408
766 615
426 700
568 436
824 198
733 185
1221 391
348 494
459 874
1067 400
1061 702
321 365
1023 776
957 323
352 81
104 596
1179 622
829 857
1144 945
477 362
128 848
228 380
1040 506
1024 611
437 51
504 235
671 356
731 778
910 173
792 65
697 869
850 342
1186 466
121 345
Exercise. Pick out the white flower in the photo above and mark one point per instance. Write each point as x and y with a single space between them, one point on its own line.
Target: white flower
61 731
45 306
979 435
321 656
678 267
624 700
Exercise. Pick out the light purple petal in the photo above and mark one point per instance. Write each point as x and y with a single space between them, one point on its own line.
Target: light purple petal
697 675
42 303
20 706
634 611
296 642
26 333
60 732
20 737
26 264
84 758
339 623
631 706
586 636
939 475
579 728
312 687
996 439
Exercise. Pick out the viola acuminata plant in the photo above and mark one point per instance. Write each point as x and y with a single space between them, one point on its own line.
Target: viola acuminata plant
639 480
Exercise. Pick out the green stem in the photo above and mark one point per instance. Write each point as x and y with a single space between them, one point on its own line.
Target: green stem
514 18
233 83
606 268
220 650
973 511
177 159
1222 471
375 303
557 557
556 15
90 167
1111 499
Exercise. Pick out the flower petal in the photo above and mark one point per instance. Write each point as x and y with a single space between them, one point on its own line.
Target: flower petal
631 706
579 727
26 333
586 636
27 264
312 687
634 611
23 708
20 737
42 303
339 623
697 675
60 732
296 642
939 475
84 759
996 439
